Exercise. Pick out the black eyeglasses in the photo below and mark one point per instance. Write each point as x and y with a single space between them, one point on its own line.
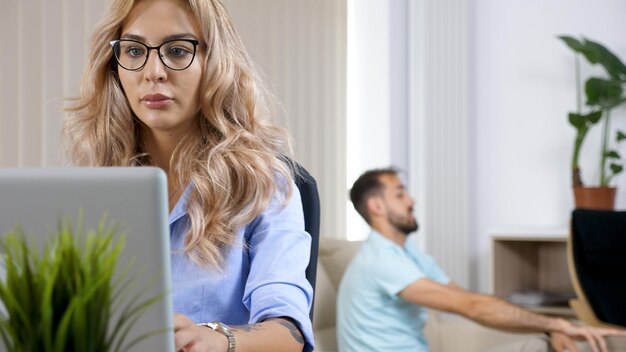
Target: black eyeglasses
175 54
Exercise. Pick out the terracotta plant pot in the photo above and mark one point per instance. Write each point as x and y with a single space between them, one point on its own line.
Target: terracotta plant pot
598 198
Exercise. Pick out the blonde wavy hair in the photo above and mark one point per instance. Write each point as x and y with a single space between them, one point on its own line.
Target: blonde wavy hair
237 151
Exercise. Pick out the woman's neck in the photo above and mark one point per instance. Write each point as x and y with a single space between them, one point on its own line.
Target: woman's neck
160 146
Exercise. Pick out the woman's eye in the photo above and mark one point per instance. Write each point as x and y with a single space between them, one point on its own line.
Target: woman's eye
134 51
177 51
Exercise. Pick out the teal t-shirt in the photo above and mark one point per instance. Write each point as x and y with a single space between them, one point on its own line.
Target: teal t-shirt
370 314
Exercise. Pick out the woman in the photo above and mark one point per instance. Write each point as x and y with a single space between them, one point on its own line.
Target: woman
171 85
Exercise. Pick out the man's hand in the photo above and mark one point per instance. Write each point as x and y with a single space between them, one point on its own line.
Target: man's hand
562 343
594 336
189 337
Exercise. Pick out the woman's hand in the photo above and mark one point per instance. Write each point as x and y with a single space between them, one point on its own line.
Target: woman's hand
189 337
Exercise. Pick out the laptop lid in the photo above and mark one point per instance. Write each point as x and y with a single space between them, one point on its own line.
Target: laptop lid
134 198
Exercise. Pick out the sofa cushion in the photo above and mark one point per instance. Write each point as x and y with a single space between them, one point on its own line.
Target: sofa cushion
325 301
335 255
326 340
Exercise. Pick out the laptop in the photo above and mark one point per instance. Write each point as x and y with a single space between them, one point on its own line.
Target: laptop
134 198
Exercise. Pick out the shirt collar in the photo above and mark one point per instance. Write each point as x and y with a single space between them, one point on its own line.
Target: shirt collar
180 209
378 239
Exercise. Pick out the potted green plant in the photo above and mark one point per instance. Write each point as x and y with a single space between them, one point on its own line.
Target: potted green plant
68 297
603 95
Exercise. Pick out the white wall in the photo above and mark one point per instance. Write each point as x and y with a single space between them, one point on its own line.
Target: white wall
522 86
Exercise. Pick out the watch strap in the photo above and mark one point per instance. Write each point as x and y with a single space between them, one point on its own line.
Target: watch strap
224 330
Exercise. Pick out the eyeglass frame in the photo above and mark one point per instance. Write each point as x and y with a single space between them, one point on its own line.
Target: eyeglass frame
158 50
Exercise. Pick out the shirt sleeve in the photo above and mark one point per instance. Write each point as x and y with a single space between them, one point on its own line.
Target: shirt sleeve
394 270
279 251
429 265
435 273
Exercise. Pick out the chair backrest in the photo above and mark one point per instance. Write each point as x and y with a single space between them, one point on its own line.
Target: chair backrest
311 208
598 243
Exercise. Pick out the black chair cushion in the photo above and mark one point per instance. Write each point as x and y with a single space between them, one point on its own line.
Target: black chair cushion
599 249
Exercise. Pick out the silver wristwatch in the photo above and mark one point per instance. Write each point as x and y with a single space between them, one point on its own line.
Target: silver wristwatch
224 330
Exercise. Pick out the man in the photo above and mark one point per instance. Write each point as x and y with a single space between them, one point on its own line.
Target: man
389 284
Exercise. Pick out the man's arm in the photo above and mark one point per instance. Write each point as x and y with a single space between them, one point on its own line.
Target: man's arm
484 309
496 312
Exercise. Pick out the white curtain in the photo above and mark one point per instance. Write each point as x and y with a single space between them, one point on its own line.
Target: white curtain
43 53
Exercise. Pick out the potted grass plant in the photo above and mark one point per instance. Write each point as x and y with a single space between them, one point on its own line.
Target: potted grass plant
603 95
68 297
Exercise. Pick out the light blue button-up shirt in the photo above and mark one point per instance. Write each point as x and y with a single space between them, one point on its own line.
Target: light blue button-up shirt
370 314
263 275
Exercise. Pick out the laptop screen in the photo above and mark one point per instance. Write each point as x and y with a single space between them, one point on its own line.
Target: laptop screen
133 199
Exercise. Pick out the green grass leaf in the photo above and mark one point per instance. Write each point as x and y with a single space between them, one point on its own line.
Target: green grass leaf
63 298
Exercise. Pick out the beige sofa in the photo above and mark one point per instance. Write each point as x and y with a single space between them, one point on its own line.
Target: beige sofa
445 332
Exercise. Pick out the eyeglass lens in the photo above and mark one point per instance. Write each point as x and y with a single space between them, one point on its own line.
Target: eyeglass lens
133 55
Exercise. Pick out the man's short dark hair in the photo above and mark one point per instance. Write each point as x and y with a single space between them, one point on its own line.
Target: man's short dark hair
366 186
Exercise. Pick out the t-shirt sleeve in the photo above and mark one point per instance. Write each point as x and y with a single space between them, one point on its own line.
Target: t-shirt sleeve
279 250
394 270
437 274
431 269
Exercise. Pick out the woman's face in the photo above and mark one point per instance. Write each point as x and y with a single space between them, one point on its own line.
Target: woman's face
165 100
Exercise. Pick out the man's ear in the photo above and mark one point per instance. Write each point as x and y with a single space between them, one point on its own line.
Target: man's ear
375 206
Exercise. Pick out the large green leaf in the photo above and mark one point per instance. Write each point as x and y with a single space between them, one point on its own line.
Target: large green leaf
611 63
577 120
603 92
573 43
581 121
597 53
581 47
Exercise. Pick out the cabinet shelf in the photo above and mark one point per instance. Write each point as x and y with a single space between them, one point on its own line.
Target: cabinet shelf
561 311
531 260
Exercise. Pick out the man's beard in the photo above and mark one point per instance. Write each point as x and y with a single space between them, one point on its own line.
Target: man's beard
404 225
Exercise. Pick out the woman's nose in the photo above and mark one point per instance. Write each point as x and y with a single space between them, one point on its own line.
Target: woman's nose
155 70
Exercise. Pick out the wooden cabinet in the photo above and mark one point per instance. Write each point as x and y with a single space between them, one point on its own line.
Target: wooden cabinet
531 259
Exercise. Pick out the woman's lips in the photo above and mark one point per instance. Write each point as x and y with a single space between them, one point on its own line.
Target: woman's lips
156 101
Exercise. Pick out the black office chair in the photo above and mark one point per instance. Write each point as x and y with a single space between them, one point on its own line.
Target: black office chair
597 249
311 208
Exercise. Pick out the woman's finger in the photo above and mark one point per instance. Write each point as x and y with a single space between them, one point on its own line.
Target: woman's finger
181 321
